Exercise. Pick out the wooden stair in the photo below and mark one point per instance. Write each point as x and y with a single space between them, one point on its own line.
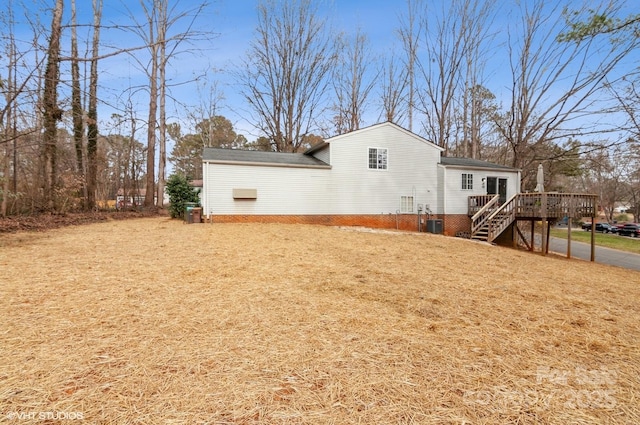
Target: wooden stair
488 223
482 233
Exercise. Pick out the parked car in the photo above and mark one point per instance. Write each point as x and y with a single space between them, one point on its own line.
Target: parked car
600 227
615 228
630 229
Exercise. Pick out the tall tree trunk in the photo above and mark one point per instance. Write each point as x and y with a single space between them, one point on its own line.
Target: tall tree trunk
76 102
52 113
9 119
153 108
410 35
92 113
5 181
162 160
151 129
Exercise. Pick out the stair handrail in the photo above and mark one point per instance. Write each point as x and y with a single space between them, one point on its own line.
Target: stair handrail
480 218
503 220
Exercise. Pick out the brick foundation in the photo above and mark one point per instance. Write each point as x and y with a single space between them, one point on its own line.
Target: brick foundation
452 223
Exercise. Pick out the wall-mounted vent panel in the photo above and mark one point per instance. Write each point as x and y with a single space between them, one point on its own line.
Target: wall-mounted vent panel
245 194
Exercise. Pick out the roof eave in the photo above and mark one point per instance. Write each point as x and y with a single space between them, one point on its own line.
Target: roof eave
267 164
479 167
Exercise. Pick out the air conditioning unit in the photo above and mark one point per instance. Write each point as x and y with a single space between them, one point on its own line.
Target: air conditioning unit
434 226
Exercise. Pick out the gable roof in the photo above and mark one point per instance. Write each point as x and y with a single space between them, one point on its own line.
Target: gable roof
274 159
473 163
421 139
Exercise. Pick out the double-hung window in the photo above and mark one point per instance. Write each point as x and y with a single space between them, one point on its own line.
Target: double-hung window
377 158
406 204
467 181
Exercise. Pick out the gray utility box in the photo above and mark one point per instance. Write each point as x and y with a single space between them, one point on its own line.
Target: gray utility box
434 226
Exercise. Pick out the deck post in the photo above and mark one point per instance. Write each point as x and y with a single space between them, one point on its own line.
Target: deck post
569 216
593 231
545 234
533 236
545 238
569 236
548 232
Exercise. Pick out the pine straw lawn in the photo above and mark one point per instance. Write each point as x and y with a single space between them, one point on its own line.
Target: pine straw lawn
152 321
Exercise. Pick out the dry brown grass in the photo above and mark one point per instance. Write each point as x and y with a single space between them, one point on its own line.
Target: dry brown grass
152 321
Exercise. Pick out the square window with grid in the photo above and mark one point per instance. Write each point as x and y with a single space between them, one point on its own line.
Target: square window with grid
377 159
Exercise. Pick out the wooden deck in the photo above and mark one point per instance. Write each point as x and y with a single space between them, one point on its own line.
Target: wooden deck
490 218
550 205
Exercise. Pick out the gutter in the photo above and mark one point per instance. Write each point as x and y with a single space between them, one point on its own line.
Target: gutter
267 164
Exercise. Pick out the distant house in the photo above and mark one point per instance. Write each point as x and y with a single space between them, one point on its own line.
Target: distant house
380 176
197 186
133 198
621 208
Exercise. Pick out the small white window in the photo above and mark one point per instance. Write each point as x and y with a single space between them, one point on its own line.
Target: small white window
377 159
467 181
406 204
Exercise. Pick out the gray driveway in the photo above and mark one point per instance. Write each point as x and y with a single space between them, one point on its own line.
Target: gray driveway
609 256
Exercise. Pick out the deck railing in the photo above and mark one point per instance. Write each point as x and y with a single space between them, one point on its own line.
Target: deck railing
543 205
477 202
502 218
556 205
480 218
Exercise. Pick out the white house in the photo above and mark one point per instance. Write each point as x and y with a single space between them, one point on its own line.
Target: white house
379 176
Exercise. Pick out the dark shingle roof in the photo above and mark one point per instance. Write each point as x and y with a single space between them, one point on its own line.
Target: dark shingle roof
261 157
473 163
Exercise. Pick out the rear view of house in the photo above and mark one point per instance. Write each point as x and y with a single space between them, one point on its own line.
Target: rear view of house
379 176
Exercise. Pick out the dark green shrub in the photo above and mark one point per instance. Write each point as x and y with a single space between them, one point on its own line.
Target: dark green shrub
180 193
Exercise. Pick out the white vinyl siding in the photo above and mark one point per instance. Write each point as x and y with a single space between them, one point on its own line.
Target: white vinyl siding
323 154
348 187
455 199
411 169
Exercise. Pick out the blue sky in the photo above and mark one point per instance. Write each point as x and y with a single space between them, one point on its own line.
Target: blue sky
234 21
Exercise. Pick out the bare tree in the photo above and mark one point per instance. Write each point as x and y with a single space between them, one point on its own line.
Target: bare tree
162 47
51 111
163 23
7 128
92 112
606 171
451 36
628 103
554 84
76 96
352 82
410 32
477 99
393 91
285 74
152 72
634 178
